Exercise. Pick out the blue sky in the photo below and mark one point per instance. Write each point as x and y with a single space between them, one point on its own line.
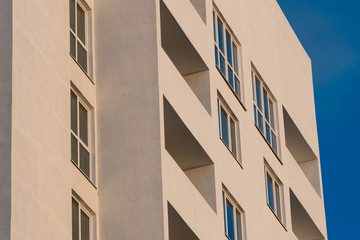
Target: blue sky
329 30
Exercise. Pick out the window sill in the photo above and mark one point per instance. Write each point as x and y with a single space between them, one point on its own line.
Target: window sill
83 173
86 74
276 155
277 217
231 153
232 90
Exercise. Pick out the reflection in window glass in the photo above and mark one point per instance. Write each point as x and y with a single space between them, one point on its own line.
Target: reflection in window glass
239 224
84 161
233 136
270 192
230 220
85 226
224 127
75 220
277 195
81 24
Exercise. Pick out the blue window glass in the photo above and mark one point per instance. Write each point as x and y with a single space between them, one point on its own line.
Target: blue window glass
230 77
224 127
220 35
266 106
230 220
228 48
270 192
222 64
216 56
268 133
258 93
260 121
271 106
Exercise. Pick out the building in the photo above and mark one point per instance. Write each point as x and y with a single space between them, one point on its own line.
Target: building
159 119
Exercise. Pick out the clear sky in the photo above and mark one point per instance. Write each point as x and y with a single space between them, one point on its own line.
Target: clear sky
329 30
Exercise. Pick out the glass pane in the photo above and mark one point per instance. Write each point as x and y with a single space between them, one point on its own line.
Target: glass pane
224 211
271 106
230 220
277 194
85 227
216 56
75 220
82 56
233 137
230 77
237 87
220 36
74 149
84 161
73 113
222 64
214 27
81 23
235 58
258 96
270 192
266 107
228 48
273 143
253 86
238 224
268 133
72 15
255 110
224 127
72 45
260 121
83 124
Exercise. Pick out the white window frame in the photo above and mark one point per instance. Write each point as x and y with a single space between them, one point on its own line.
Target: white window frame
236 85
236 208
82 207
88 42
90 134
260 113
277 198
230 116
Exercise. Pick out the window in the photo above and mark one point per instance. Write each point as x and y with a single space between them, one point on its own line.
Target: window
264 111
226 53
233 219
229 129
273 193
80 134
79 41
80 221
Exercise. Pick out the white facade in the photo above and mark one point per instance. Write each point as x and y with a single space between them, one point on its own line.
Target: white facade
162 139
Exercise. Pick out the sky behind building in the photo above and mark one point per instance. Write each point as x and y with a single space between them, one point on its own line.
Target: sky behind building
329 30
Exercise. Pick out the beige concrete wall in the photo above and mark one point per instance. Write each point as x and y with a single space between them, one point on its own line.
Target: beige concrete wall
43 175
6 15
130 187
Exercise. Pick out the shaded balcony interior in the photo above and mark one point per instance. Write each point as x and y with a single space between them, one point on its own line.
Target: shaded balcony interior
189 155
185 57
302 152
200 7
178 229
302 225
